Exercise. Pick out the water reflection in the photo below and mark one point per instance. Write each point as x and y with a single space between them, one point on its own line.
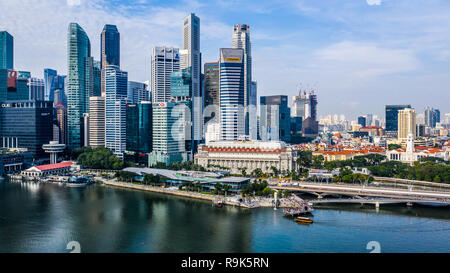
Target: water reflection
45 217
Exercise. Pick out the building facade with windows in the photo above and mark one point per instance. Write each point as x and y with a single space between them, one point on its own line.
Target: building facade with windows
235 156
116 89
26 124
79 50
165 60
232 118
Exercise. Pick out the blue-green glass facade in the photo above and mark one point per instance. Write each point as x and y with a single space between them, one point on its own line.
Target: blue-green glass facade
181 83
139 127
78 49
6 50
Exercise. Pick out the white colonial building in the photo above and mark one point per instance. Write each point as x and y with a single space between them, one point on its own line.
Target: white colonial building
251 155
412 154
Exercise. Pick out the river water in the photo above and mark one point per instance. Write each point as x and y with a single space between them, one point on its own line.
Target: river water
46 217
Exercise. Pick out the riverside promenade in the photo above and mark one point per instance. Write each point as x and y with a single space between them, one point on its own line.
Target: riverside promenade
248 202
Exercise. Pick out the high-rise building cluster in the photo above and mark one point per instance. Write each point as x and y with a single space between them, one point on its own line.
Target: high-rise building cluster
185 103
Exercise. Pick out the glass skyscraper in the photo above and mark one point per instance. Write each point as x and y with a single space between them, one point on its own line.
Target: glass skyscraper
275 118
137 92
168 133
241 39
52 83
109 49
392 118
116 88
79 50
211 91
192 58
139 127
6 50
232 121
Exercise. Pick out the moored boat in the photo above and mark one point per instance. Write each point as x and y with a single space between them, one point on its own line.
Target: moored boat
78 181
303 220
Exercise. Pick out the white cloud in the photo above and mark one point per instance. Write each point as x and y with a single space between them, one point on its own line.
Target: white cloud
40 33
373 2
73 2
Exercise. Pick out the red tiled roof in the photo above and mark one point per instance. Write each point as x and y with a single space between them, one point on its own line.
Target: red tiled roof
54 166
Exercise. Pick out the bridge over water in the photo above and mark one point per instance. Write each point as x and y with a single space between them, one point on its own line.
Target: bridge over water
400 195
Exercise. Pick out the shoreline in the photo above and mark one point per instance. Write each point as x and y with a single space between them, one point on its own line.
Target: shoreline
261 202
192 195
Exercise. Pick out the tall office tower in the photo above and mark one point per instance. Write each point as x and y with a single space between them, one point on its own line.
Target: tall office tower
232 119
26 124
97 121
93 77
392 119
109 50
241 39
137 92
165 60
6 50
139 131
53 82
168 134
78 51
61 121
116 88
362 121
37 89
181 92
191 44
431 117
211 92
369 119
406 123
275 121
253 108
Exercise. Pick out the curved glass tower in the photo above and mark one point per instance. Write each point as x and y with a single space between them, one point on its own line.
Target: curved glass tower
78 53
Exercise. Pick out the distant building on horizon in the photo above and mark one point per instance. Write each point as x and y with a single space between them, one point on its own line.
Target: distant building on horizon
362 121
406 123
392 118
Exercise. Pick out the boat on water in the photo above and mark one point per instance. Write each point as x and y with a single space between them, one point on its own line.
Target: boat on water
81 181
303 220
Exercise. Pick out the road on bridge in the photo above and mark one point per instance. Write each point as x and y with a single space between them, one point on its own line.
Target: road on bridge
366 191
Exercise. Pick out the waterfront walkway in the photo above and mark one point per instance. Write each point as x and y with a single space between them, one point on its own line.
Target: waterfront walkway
247 202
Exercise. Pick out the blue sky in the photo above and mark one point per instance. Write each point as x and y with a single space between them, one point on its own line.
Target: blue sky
359 54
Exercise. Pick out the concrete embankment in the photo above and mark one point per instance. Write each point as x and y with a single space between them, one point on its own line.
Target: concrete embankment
195 195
